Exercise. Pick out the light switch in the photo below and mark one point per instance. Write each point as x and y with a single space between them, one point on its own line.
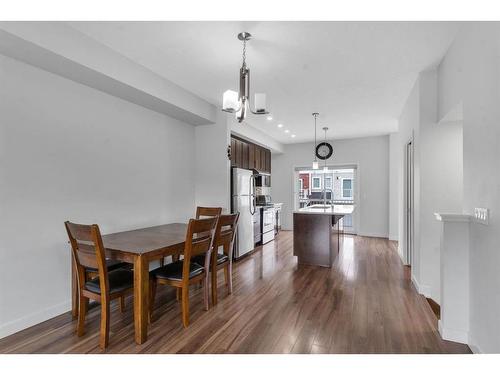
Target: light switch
481 215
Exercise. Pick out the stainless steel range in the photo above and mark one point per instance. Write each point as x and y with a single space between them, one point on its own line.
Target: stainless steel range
268 217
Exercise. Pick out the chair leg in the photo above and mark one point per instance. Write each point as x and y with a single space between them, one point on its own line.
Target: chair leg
226 275
229 280
178 294
83 303
152 295
185 305
214 286
74 293
205 292
122 304
104 337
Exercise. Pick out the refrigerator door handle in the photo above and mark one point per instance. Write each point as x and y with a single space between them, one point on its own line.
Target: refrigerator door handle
251 195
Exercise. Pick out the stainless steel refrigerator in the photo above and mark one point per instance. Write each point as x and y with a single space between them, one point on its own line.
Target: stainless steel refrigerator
243 200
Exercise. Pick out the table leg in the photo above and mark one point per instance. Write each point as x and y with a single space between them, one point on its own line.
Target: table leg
74 291
141 298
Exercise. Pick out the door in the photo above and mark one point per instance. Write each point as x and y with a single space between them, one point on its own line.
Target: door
409 203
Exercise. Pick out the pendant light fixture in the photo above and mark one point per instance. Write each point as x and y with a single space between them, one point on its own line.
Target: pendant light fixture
315 162
325 168
239 103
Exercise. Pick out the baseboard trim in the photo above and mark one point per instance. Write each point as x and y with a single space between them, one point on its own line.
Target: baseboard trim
415 284
476 349
30 320
453 334
377 235
423 289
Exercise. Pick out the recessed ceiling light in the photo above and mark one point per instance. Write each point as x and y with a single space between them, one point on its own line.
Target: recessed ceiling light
287 131
269 118
293 135
280 125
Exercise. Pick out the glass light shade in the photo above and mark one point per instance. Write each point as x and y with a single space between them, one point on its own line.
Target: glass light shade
325 169
230 101
260 103
315 165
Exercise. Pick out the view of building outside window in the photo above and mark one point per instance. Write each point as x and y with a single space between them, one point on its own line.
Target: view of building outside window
336 184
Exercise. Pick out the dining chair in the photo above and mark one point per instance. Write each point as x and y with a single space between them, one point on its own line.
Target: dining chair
201 212
89 253
91 272
207 212
183 273
224 237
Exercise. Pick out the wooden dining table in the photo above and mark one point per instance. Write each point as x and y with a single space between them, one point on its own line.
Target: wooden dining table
139 247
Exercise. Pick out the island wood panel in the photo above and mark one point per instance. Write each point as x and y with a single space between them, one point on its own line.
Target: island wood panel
315 242
366 303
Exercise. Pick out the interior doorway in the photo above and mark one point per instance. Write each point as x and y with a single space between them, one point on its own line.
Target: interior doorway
409 227
333 185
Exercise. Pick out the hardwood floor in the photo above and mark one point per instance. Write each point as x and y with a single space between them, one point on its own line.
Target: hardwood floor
365 304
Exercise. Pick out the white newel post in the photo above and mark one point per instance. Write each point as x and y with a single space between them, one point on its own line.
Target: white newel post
454 323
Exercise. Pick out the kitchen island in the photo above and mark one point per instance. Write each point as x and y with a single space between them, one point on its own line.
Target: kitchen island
316 233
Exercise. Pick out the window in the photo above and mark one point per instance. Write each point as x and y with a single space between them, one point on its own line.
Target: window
328 182
316 182
347 188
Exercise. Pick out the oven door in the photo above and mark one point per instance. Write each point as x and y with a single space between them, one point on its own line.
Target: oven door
268 218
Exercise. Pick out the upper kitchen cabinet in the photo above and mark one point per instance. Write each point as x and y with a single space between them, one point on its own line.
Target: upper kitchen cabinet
247 155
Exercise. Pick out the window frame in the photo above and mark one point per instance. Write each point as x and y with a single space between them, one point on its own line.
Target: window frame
320 185
342 188
331 182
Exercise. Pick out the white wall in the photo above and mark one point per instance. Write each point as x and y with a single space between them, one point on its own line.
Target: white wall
394 155
70 152
408 124
438 178
470 74
212 164
371 154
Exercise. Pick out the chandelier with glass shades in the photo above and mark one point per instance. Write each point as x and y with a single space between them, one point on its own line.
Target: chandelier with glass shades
239 102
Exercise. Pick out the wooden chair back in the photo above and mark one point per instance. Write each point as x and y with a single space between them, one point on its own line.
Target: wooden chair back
199 240
88 251
208 212
226 233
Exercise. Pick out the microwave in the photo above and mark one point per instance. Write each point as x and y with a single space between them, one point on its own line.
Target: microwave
262 180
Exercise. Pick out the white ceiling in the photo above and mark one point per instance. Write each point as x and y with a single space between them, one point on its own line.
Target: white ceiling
356 74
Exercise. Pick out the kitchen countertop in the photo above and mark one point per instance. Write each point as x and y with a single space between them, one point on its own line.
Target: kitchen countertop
319 209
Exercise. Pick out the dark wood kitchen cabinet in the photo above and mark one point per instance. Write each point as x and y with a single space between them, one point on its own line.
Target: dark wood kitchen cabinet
247 155
251 156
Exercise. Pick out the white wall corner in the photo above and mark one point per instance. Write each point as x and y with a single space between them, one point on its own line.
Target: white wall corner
453 334
474 347
415 283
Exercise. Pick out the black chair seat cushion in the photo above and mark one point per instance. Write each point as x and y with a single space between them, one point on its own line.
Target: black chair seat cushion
118 281
111 264
200 259
173 271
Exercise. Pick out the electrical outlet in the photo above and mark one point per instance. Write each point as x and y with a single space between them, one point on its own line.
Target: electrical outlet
481 215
